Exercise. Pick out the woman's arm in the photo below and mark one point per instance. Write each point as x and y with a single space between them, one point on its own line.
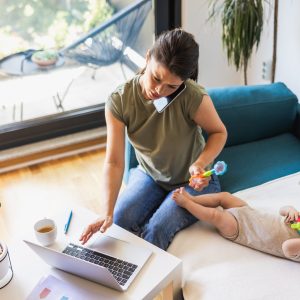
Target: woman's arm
208 119
113 174
114 161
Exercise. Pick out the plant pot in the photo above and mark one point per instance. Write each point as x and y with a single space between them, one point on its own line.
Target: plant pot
45 58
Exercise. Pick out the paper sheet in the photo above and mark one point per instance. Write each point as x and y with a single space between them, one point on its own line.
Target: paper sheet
52 288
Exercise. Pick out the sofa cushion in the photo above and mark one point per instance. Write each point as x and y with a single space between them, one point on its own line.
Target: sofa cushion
255 112
130 160
257 162
215 268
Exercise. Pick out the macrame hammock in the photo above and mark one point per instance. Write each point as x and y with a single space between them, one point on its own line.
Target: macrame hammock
105 44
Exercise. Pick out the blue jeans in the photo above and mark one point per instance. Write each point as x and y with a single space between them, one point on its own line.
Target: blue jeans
148 210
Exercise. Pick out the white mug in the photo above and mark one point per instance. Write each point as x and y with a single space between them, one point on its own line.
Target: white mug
6 272
45 231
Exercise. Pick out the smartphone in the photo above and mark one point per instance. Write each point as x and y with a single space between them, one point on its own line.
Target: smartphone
162 103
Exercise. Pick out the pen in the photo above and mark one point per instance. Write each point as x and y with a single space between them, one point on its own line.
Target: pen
67 225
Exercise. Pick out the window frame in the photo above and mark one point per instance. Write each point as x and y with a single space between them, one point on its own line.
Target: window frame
167 16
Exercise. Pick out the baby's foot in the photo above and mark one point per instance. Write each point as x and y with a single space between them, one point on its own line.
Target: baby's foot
186 194
181 197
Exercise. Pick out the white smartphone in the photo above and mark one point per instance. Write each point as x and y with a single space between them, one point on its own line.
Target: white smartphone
162 103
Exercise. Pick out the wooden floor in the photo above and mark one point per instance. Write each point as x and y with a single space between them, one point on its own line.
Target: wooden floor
74 180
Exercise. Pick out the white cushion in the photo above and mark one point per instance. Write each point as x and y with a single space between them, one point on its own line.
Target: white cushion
215 268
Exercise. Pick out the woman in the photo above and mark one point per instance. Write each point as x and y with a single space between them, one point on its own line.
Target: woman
169 146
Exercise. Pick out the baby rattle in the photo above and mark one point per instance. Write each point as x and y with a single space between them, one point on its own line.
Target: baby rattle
220 168
296 225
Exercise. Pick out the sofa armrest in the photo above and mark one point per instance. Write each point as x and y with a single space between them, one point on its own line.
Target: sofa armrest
255 112
297 123
130 160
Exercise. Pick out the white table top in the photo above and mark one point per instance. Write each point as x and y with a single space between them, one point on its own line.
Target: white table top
161 269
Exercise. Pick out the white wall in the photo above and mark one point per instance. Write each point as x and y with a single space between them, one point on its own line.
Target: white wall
288 47
213 67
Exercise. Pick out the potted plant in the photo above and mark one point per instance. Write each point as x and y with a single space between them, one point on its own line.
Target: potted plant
44 58
242 24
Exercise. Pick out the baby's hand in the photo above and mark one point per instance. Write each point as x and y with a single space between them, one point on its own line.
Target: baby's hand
292 216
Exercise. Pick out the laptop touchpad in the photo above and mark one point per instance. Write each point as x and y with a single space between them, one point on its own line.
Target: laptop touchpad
118 248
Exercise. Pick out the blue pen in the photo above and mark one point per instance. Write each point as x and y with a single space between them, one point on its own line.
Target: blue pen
68 222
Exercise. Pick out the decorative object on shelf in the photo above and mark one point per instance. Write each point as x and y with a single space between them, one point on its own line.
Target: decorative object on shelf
45 58
6 271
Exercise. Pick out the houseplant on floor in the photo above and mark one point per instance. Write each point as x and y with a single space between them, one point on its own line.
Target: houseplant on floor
242 25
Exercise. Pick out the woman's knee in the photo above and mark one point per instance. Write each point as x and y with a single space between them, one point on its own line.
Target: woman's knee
156 235
162 227
125 218
120 218
127 223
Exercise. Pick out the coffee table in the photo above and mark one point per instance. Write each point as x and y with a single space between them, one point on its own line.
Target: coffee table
161 274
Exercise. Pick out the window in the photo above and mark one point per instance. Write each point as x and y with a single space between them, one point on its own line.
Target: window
68 96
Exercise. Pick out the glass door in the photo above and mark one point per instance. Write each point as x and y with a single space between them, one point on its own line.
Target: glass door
53 80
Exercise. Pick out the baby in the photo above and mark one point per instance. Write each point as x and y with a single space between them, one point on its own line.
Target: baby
238 222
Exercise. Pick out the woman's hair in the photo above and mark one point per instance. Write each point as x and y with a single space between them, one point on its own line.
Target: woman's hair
178 51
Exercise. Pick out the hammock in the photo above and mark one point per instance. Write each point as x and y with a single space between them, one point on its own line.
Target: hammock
105 44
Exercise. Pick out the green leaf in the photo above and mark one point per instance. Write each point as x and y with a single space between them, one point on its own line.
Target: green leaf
242 25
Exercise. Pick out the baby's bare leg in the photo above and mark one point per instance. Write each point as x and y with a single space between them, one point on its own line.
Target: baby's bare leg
291 249
222 220
224 199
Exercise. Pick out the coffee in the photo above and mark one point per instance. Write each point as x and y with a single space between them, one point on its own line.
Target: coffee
45 229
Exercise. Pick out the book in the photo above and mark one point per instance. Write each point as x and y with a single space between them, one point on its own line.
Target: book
51 288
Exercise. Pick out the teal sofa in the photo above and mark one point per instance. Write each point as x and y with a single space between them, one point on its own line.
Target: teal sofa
263 124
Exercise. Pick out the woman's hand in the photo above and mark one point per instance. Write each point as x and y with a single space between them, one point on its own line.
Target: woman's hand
101 224
198 183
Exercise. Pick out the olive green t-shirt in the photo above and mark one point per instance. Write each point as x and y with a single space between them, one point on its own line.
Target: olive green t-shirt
166 143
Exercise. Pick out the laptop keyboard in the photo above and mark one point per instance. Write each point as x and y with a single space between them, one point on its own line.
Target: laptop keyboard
120 269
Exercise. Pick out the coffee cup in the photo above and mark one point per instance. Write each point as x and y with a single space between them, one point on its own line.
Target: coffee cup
45 231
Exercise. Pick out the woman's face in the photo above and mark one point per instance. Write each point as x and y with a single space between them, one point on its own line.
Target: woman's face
157 81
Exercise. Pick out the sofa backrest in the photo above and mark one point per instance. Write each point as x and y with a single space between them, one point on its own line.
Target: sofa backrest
255 112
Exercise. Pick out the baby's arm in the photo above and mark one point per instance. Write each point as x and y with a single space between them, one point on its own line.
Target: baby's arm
290 213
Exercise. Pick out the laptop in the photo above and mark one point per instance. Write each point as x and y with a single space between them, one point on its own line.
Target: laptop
107 260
